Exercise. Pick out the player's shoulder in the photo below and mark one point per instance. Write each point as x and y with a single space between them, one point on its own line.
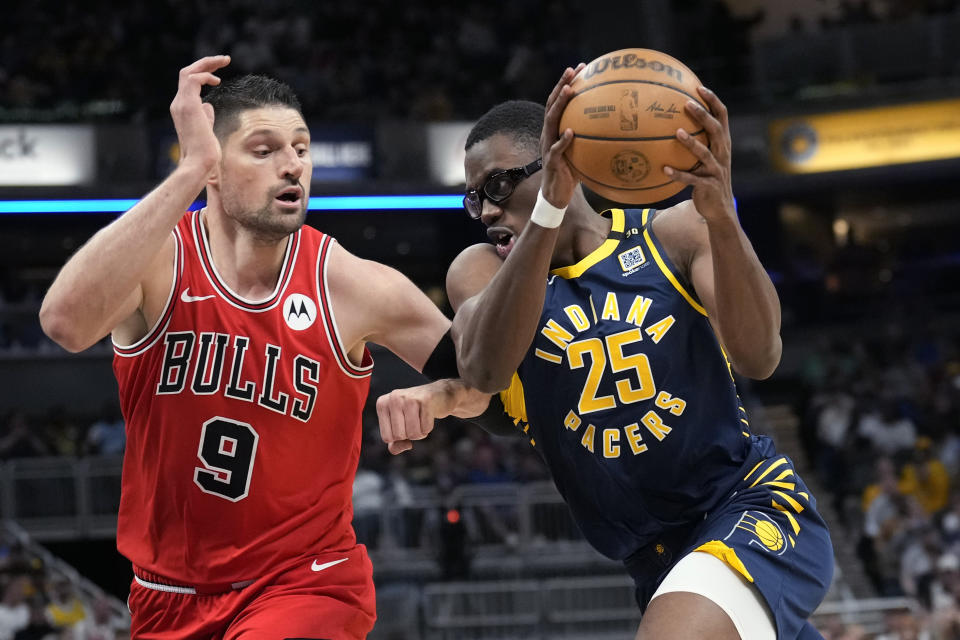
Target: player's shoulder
482 252
470 272
345 266
682 232
679 225
481 258
682 213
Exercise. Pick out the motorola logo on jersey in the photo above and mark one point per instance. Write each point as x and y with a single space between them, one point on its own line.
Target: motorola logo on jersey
299 311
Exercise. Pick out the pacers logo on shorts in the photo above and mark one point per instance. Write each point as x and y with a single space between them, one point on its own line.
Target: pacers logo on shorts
299 311
761 530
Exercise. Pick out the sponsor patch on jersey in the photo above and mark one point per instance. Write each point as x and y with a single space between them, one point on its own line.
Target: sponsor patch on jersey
631 259
299 311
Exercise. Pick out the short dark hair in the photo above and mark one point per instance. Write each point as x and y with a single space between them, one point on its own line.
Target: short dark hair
520 119
237 95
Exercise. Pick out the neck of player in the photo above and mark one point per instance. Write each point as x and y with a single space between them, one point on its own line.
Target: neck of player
582 232
245 262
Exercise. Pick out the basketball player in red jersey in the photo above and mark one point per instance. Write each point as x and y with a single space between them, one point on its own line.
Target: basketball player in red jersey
239 339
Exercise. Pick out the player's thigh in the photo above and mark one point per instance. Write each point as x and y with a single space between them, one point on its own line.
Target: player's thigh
701 592
683 616
301 617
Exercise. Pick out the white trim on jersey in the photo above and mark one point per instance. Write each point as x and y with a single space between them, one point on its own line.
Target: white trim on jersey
289 263
156 331
324 292
168 588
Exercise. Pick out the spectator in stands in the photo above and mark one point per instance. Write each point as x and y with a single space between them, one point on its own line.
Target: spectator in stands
918 565
945 592
836 629
19 439
950 523
14 610
886 518
107 436
485 467
39 627
887 430
65 608
367 504
904 625
925 477
99 625
834 411
405 523
945 585
63 432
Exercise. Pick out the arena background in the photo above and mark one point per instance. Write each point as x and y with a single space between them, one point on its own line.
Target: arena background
845 118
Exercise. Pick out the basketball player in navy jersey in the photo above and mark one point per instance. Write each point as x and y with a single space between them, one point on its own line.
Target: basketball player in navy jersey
610 339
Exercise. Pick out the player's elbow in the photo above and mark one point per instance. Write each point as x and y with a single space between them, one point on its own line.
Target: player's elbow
761 363
482 375
59 325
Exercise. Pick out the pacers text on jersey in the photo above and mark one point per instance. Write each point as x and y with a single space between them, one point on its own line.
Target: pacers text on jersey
607 357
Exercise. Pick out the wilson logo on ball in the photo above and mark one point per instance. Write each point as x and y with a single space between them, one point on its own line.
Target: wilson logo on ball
625 112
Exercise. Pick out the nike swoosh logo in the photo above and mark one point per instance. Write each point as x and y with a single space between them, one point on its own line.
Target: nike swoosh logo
186 297
326 565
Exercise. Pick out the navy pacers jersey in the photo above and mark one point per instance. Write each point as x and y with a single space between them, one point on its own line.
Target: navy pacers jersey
627 394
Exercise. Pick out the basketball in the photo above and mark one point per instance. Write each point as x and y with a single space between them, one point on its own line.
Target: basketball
624 114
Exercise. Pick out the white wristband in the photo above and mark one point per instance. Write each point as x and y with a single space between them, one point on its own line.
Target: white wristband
545 214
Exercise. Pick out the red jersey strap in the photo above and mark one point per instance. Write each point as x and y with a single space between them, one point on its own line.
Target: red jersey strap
160 327
330 323
210 270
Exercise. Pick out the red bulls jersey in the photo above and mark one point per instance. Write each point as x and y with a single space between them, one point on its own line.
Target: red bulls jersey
243 421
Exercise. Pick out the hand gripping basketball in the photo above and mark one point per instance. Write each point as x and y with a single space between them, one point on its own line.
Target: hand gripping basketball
559 181
712 187
625 110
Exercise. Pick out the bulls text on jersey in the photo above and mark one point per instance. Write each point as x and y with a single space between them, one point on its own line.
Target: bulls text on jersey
197 363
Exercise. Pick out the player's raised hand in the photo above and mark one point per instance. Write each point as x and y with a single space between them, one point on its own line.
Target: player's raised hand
192 118
559 180
712 187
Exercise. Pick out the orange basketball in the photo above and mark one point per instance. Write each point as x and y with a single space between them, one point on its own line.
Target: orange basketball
624 115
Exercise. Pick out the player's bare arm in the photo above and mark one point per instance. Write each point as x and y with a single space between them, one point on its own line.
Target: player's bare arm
376 303
705 240
494 330
120 279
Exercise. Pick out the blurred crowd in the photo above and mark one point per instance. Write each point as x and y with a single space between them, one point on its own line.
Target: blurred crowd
881 424
59 432
37 603
349 62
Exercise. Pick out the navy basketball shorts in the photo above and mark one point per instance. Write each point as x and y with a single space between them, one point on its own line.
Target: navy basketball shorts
769 532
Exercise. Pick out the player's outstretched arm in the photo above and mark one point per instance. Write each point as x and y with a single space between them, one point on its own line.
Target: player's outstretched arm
725 270
494 328
376 303
407 415
114 276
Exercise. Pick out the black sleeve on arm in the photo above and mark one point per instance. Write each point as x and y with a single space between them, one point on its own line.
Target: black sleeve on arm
495 419
442 363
